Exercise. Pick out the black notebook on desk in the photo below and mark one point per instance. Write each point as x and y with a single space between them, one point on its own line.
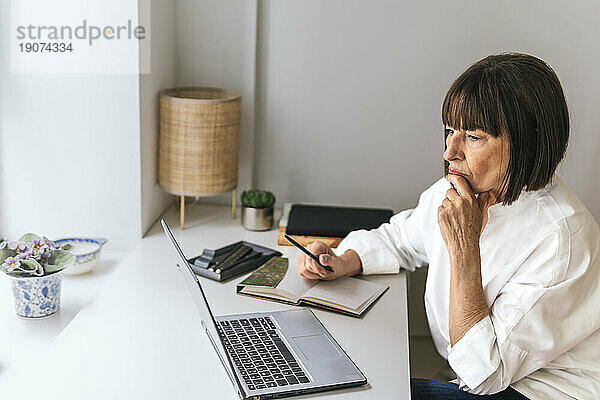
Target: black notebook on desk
330 221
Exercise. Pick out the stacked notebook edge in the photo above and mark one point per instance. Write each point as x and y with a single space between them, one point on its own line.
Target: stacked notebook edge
303 240
307 222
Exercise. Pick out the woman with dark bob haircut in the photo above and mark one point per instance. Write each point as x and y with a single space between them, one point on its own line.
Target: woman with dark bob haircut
513 287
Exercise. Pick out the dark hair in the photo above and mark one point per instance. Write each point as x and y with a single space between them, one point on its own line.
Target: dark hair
518 95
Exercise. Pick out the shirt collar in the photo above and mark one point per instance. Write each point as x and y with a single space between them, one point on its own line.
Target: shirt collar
524 198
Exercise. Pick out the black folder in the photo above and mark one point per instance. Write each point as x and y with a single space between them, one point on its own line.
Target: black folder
329 221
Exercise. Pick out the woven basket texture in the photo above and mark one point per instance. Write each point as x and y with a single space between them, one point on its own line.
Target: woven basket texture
199 141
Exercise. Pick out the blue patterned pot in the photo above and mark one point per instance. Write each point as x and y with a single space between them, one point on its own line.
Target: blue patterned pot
37 297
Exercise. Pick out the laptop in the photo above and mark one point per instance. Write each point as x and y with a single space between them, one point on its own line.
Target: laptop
270 355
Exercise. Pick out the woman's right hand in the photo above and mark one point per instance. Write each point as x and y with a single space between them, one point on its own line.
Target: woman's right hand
347 264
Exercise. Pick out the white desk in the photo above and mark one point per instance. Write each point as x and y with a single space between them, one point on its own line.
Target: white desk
140 336
23 340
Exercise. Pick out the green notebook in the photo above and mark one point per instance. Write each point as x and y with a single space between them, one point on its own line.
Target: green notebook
278 280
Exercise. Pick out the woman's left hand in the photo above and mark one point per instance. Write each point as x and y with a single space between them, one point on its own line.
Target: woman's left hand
460 216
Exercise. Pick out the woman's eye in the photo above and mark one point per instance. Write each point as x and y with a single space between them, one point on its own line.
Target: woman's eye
473 138
448 131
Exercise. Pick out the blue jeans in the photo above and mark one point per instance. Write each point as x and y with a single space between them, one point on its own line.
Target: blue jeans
422 389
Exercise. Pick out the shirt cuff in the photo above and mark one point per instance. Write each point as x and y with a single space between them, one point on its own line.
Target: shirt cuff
475 357
375 259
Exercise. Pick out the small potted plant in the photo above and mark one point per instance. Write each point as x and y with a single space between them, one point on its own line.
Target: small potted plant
33 264
257 210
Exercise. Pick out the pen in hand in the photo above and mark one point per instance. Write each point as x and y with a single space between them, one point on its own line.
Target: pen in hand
308 253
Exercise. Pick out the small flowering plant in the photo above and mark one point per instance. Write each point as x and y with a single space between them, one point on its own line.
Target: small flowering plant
33 255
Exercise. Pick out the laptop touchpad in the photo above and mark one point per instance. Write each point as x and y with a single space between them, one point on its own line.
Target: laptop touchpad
316 347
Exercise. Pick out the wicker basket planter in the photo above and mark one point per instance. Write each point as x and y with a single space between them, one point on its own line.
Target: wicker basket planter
199 142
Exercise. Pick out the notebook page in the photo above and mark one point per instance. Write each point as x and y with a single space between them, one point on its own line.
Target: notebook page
347 291
293 282
270 293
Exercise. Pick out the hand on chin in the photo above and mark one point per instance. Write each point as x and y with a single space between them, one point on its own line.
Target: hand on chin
460 215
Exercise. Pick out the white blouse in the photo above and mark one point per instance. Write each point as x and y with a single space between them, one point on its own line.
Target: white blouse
540 266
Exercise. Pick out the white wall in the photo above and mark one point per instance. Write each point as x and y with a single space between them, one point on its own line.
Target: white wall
347 111
349 92
162 75
216 42
104 132
69 150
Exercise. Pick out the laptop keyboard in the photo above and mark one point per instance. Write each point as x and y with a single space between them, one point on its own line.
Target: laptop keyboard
263 359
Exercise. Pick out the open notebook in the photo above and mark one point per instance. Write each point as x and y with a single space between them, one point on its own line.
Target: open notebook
278 281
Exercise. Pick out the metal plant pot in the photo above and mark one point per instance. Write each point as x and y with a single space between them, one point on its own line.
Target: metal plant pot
257 219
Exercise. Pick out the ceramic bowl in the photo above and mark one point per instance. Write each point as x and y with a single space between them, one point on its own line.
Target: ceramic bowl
86 252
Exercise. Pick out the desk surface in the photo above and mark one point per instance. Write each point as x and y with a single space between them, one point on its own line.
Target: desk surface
140 336
25 339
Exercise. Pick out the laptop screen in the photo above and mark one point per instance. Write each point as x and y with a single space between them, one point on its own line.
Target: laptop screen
206 314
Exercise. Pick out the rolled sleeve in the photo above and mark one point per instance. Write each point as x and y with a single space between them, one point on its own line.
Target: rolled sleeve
375 259
473 358
480 365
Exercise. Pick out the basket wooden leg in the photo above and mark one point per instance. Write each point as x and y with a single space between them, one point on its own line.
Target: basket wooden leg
182 213
233 198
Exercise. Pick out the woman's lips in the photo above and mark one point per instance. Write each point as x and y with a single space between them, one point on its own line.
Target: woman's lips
454 172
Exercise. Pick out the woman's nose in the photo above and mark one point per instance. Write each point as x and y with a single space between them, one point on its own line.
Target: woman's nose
453 148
